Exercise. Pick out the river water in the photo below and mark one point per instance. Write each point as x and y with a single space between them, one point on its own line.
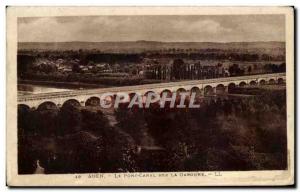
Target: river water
28 89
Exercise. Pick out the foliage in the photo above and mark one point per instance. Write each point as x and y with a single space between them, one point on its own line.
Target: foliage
223 134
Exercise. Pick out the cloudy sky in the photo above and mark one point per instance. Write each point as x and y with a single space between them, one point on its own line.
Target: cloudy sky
152 28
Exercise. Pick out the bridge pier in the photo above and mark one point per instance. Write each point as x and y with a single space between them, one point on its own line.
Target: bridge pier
214 90
226 89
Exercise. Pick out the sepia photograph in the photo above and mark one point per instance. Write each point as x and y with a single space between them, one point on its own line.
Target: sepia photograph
150 96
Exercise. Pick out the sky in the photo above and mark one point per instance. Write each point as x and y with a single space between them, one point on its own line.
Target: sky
192 28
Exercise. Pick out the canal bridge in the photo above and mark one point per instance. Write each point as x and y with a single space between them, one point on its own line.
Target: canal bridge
203 87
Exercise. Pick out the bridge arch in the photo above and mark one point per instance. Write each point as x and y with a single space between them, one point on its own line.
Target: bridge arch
220 89
253 83
155 94
148 92
93 101
47 105
23 107
169 92
208 90
231 87
272 81
262 82
180 90
23 115
242 84
196 90
108 99
71 102
280 81
132 95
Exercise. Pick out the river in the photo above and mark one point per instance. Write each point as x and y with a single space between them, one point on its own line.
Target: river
28 89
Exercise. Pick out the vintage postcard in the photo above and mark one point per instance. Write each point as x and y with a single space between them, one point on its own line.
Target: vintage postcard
150 96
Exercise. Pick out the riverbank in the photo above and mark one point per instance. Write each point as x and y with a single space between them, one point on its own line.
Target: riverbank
59 84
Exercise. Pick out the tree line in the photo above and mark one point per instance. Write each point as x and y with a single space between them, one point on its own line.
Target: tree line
224 134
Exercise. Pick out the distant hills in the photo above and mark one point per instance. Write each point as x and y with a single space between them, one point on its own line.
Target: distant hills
139 46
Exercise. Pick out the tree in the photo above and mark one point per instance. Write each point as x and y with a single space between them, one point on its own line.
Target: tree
249 69
76 68
233 69
178 66
282 67
69 120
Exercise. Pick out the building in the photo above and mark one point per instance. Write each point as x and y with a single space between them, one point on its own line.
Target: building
179 69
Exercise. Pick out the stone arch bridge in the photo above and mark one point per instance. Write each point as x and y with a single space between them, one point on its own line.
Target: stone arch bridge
203 87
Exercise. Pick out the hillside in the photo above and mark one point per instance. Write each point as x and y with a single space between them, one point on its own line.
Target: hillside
140 46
